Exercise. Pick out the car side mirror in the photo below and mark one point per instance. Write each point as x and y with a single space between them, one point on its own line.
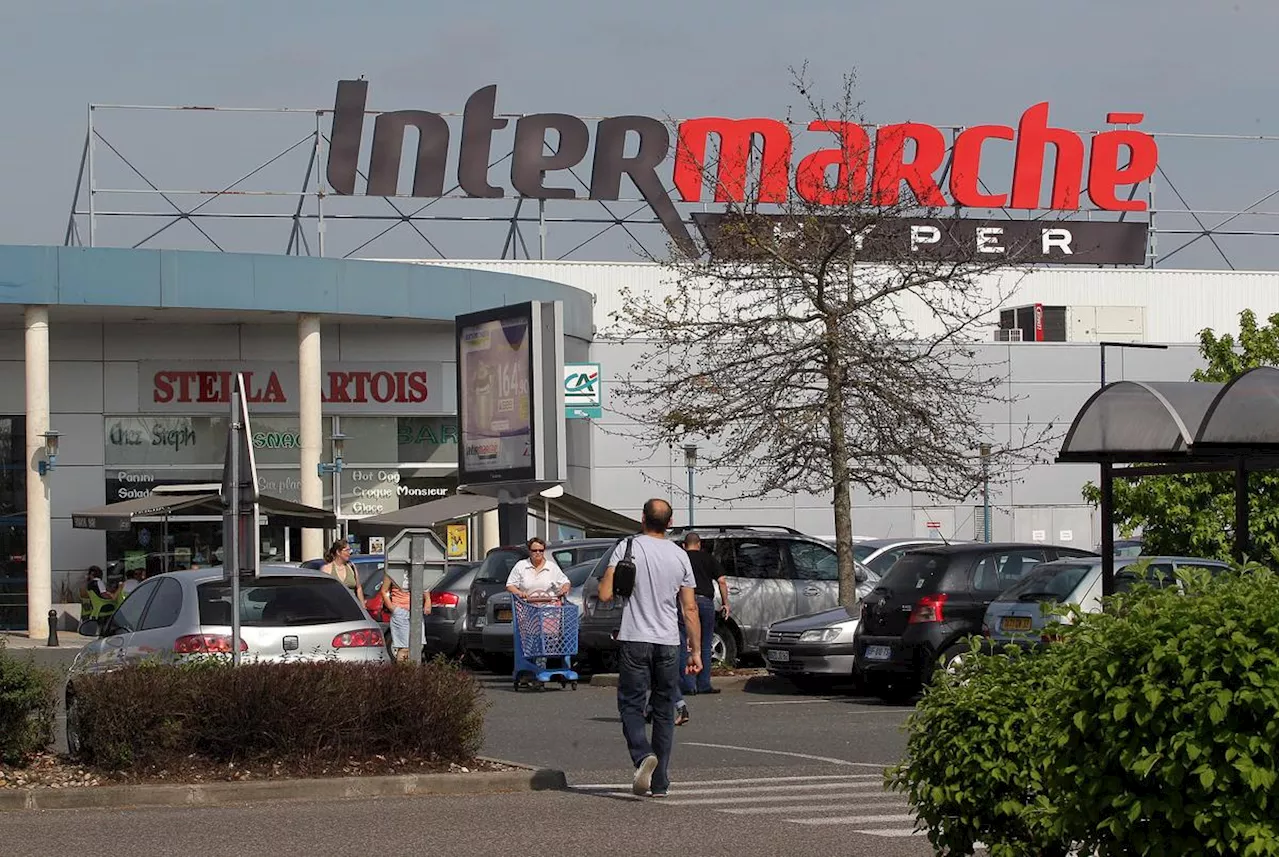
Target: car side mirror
90 628
859 574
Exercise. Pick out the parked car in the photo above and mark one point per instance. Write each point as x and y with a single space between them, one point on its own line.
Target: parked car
442 627
772 573
491 579
370 567
879 555
287 613
1018 617
813 651
930 603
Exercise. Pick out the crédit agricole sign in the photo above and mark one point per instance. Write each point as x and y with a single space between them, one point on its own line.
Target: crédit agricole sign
913 154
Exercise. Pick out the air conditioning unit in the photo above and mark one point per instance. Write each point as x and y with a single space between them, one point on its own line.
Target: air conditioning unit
1008 334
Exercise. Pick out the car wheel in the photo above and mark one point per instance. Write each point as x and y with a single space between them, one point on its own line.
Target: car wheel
724 646
954 657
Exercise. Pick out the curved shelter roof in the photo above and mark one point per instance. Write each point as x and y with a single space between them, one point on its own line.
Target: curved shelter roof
1179 421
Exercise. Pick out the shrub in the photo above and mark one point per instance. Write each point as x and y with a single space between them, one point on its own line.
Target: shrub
1165 737
1149 729
302 715
976 748
27 708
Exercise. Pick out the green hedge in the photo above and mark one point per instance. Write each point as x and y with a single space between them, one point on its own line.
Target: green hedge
302 715
1151 729
27 706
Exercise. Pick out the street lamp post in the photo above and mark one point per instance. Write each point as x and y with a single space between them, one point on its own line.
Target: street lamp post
690 462
335 468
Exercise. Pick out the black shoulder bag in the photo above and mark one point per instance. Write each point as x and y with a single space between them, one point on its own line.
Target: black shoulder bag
624 574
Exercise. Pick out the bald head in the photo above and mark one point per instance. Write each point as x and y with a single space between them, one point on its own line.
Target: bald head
657 516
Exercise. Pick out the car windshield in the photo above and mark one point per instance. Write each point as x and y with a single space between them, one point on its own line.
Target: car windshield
456 573
861 551
497 566
279 601
1048 583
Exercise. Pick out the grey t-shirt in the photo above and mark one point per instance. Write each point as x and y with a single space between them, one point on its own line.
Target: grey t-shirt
651 613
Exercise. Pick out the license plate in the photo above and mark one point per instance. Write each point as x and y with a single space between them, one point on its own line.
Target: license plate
1015 623
481 621
878 653
502 615
778 655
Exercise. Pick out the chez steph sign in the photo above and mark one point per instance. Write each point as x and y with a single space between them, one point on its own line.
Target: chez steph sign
939 173
426 388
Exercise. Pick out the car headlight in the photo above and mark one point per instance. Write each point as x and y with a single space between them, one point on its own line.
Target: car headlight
842 632
820 635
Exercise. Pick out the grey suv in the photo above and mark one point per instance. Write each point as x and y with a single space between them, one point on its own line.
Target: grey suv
772 573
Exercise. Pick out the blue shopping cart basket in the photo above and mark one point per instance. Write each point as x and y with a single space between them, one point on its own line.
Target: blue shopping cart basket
546 638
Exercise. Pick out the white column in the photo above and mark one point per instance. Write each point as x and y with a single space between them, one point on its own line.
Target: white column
39 535
488 532
310 424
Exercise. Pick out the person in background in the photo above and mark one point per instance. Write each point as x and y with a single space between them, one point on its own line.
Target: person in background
395 597
131 582
337 561
707 573
95 584
648 644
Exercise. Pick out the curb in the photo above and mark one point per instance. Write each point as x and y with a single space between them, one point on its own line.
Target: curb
224 793
727 683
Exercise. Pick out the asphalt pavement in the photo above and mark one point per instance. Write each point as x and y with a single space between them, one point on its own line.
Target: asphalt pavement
761 770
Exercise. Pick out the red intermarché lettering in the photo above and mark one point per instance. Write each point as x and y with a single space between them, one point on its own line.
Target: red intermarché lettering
889 169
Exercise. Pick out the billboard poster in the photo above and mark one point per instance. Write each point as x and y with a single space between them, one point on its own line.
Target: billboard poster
495 380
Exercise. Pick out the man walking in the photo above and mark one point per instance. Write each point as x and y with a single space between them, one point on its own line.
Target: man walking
707 573
649 644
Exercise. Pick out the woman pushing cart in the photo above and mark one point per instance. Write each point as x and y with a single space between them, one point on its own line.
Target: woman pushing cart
545 627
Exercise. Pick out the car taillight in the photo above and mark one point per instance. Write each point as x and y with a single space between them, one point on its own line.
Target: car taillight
928 609
358 639
206 644
444 599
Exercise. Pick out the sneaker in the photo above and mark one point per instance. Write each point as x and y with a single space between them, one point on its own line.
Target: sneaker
682 715
644 775
657 794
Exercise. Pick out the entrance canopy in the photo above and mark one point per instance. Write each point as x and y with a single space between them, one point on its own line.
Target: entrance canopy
1178 427
119 516
566 509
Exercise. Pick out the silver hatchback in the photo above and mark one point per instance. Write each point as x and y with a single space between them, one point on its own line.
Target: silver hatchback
286 614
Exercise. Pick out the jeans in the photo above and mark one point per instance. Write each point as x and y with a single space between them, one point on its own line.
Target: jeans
707 621
649 673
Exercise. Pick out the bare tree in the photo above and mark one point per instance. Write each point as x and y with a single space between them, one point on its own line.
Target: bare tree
821 341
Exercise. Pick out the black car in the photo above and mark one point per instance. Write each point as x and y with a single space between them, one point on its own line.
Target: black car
491 578
929 604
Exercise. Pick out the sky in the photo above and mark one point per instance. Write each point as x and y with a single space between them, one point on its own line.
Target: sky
1191 66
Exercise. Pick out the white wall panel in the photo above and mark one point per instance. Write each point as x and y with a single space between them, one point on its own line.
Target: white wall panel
120 387
75 387
74 341
81 441
156 341
13 387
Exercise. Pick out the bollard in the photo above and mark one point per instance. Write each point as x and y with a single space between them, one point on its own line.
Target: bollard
53 628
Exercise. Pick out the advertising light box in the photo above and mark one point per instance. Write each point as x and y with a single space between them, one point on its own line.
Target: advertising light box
510 397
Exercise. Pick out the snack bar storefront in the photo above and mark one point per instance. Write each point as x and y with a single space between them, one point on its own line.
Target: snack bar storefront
115 375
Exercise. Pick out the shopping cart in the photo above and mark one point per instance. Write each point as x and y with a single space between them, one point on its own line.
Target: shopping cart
544 633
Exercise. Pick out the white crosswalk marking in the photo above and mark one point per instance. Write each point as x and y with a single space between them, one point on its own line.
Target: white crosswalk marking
856 803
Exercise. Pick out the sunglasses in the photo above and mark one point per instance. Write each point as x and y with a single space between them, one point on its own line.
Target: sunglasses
537 550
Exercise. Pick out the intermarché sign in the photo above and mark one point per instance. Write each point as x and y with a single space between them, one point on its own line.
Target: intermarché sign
910 153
